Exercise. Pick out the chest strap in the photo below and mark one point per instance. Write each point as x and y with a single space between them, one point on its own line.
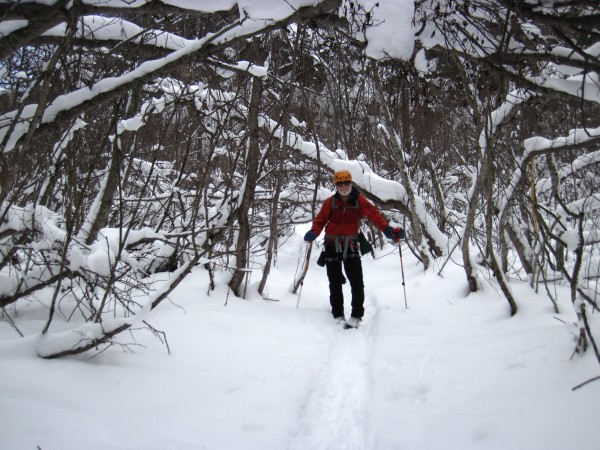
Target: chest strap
344 206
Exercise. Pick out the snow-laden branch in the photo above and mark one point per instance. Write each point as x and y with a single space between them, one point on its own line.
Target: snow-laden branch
501 115
58 152
258 17
538 146
585 87
78 98
554 51
99 28
576 137
582 162
364 177
78 340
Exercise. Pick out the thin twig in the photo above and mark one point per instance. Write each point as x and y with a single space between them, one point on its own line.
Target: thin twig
11 322
585 382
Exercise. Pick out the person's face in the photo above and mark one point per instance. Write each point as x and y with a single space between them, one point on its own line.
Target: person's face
344 187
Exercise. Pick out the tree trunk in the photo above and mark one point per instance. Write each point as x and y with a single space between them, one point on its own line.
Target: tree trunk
252 166
273 230
488 182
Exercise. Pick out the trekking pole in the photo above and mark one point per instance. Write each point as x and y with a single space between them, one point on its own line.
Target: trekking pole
300 281
402 268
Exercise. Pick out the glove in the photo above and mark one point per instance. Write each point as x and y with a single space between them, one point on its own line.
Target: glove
399 233
394 234
310 236
389 233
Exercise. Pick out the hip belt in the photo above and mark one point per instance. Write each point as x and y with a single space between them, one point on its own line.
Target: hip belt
341 242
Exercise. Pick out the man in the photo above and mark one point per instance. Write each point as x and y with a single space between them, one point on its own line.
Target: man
340 216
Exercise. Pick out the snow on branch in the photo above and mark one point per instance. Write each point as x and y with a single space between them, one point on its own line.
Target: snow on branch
580 163
538 145
14 125
80 339
98 28
576 137
91 335
364 177
502 114
584 86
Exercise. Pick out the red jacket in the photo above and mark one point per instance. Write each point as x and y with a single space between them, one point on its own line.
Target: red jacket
344 219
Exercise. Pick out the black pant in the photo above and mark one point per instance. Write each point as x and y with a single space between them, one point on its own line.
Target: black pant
353 269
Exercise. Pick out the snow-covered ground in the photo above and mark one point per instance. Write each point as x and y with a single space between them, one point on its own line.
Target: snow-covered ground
449 372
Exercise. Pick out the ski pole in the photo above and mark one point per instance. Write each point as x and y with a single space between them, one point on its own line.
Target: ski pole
300 282
402 268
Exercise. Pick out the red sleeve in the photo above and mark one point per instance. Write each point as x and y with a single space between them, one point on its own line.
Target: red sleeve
370 211
322 217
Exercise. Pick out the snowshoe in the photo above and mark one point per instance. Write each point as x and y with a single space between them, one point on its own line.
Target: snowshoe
352 322
341 320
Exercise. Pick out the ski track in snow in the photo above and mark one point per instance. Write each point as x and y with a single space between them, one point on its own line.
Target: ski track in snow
336 413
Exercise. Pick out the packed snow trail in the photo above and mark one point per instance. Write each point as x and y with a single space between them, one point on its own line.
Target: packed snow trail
336 414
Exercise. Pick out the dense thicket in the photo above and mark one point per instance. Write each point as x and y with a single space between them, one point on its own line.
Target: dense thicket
143 139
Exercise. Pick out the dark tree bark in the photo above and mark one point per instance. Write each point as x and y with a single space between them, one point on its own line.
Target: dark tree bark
252 168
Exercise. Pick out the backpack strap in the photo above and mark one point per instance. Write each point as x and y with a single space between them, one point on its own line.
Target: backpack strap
356 206
338 239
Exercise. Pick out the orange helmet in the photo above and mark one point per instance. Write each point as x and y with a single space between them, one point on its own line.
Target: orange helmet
342 175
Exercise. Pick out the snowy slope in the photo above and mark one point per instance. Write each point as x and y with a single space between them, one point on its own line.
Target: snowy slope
449 372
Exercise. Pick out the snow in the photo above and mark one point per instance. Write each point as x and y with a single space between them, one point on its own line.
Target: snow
117 30
451 371
577 136
78 337
421 63
102 28
393 34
